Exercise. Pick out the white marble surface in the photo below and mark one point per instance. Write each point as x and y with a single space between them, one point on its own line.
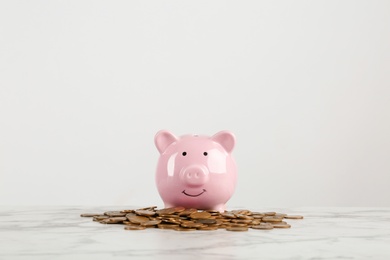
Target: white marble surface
325 233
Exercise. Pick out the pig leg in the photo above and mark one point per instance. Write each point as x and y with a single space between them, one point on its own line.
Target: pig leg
220 207
167 205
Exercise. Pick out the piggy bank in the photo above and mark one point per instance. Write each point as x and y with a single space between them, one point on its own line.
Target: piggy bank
196 171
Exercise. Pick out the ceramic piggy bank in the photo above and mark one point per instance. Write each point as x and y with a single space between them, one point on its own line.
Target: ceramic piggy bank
196 171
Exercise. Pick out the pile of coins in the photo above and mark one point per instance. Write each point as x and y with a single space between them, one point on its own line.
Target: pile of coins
182 219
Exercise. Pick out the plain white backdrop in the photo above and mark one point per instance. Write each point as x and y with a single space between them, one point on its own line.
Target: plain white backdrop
304 85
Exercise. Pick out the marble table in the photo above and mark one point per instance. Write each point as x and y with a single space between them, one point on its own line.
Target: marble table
325 233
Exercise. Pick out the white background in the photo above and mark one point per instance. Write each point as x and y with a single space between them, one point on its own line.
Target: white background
304 85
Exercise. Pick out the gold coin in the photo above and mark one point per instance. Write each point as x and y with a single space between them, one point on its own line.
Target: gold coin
218 222
134 227
127 211
256 213
269 213
138 219
237 228
281 225
241 221
170 211
263 226
166 211
169 216
191 225
242 216
255 222
167 226
114 214
171 220
130 215
179 209
271 219
113 220
100 217
207 221
275 223
89 215
241 212
293 217
144 212
224 220
184 229
149 208
237 225
213 211
258 216
187 212
228 215
200 215
150 223
208 228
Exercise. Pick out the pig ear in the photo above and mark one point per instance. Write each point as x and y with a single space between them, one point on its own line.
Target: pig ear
226 139
163 139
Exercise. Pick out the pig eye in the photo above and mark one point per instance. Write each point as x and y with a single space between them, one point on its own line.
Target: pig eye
184 153
205 153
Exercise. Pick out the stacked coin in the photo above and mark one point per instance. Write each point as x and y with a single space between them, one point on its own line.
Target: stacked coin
182 219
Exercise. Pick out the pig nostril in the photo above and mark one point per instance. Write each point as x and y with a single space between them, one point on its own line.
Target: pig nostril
194 175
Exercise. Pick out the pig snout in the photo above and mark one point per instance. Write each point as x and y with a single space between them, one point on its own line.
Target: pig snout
194 175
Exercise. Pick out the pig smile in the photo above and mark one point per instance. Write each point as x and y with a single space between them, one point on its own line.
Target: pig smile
185 193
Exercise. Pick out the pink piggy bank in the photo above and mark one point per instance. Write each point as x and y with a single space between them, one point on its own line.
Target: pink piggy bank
196 171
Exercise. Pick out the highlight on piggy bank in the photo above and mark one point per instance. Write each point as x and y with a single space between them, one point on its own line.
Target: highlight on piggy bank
196 171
